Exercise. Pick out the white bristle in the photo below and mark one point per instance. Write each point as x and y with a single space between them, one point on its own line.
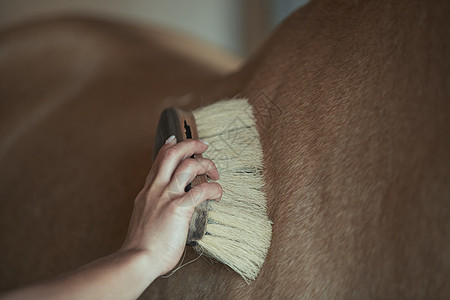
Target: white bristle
239 231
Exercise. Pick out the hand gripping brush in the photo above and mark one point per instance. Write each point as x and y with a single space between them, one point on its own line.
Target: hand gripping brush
236 231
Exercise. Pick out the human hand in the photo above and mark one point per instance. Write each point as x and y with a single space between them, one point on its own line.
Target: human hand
162 209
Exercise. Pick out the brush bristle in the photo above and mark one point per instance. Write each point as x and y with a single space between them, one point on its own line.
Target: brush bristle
238 231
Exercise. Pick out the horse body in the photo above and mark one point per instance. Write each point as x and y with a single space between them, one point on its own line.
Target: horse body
351 100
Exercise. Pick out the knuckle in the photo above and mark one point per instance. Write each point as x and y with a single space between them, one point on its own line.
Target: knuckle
206 164
209 164
190 142
189 164
170 153
198 191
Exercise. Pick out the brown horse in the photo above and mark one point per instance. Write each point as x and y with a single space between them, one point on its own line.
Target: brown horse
352 100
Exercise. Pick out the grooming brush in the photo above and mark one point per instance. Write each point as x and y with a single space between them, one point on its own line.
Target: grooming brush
236 231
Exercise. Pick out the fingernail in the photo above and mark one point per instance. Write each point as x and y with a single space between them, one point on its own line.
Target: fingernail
203 141
170 139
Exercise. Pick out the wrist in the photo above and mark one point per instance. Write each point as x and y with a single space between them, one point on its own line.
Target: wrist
145 263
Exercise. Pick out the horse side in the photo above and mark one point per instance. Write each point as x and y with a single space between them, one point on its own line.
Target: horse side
351 100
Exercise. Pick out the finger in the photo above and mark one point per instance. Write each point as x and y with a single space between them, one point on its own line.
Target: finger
172 156
199 193
170 142
188 169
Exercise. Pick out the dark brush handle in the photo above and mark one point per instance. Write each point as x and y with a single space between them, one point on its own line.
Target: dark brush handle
174 121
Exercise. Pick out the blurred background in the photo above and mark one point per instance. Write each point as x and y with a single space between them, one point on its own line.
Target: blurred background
237 26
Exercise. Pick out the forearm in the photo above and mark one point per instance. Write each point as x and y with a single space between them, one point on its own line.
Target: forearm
123 275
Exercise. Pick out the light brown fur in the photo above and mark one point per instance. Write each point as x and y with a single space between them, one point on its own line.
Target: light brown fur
353 106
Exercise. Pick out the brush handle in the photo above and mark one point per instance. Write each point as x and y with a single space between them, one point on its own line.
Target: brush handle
181 123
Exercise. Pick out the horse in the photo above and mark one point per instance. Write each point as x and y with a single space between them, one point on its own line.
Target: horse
352 105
